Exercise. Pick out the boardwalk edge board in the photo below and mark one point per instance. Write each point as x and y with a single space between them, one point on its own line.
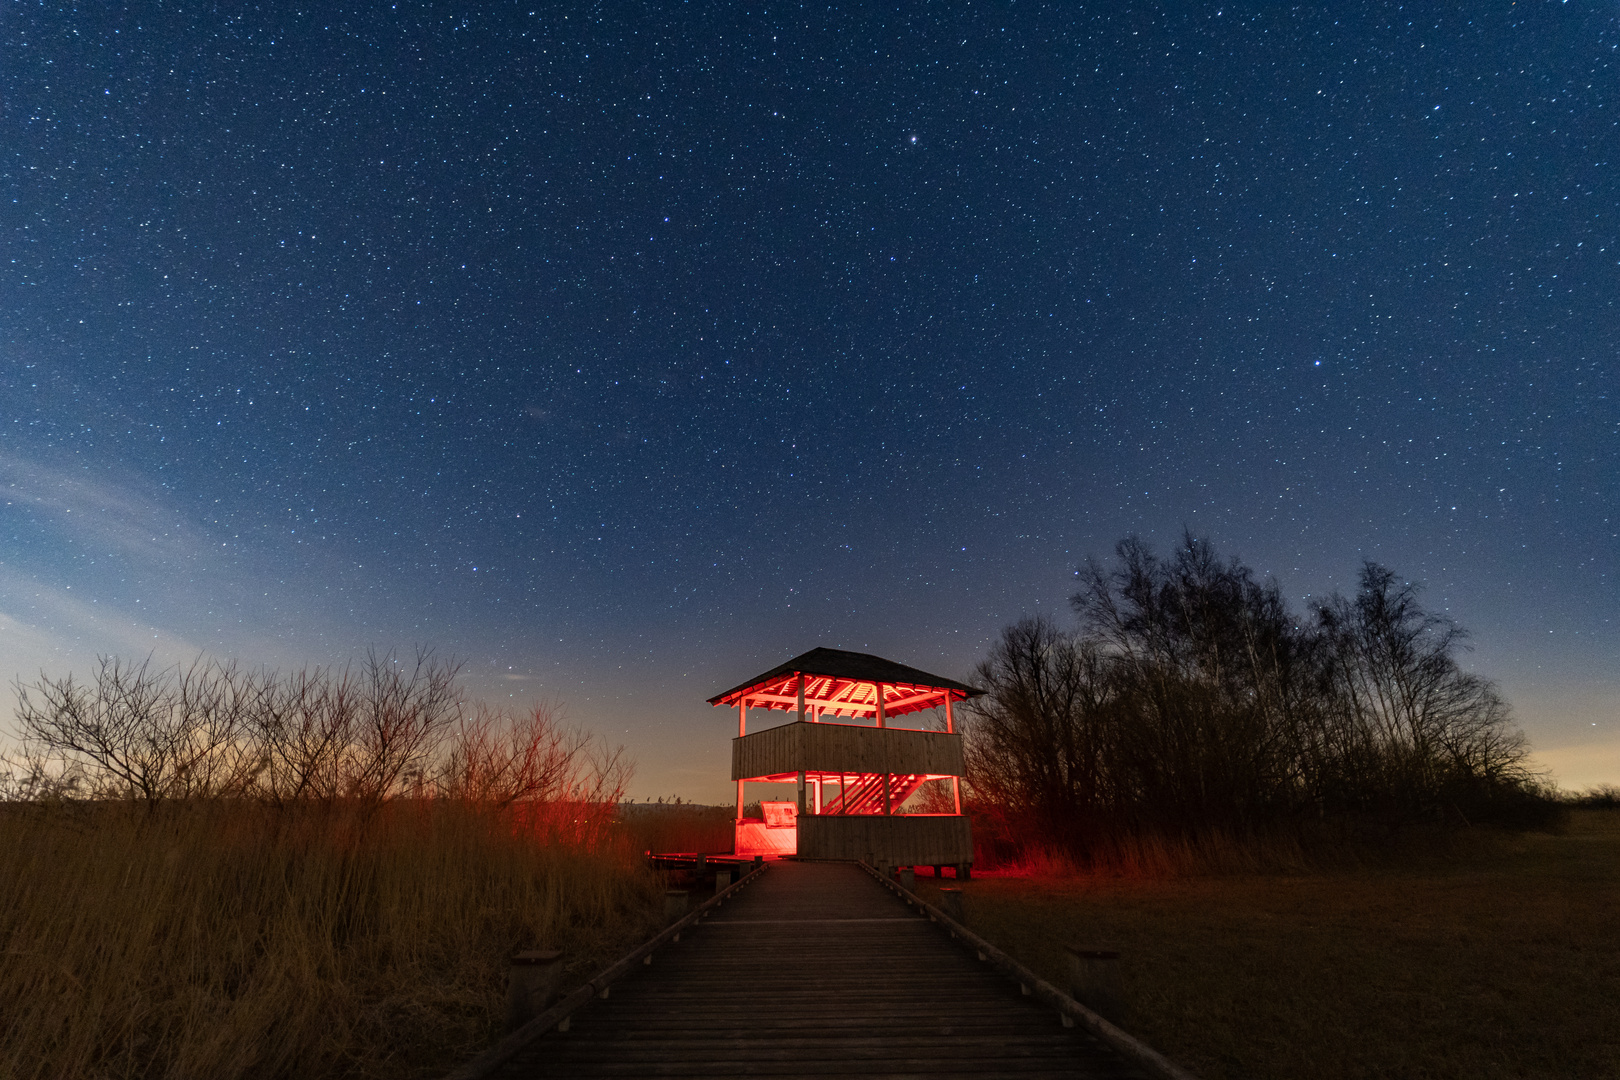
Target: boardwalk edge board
485 1064
1037 987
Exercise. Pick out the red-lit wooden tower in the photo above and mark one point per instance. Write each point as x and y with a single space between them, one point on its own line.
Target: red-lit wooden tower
871 767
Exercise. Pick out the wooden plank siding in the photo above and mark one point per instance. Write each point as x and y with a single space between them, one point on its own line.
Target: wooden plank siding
817 971
844 748
901 840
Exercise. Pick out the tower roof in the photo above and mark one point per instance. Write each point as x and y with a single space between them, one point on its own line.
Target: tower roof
843 682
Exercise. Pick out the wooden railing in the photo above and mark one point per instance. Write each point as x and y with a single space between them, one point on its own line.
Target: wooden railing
1070 1010
847 748
486 1064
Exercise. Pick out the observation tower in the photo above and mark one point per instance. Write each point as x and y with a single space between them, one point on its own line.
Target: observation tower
853 770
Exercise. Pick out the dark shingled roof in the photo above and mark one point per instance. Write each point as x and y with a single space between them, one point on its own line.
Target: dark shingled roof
862 667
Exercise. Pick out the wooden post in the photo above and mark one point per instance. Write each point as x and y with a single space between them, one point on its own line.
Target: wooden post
950 724
816 792
722 881
1094 980
801 791
908 878
801 697
888 777
742 729
531 983
950 902
956 794
674 904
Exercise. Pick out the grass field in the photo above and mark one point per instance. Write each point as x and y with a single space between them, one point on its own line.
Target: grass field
1498 957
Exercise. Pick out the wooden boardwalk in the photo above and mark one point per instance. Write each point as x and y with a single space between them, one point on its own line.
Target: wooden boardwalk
816 970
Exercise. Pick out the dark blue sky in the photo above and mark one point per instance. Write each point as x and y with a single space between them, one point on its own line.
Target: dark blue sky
627 351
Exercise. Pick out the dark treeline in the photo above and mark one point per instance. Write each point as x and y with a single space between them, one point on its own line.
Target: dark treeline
1192 701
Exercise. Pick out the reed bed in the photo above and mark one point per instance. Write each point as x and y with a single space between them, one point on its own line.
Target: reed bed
1158 855
230 939
219 871
676 827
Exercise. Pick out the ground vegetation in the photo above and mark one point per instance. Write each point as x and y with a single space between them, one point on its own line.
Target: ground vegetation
1456 954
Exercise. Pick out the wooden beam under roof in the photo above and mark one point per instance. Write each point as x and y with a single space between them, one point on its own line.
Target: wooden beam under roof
851 675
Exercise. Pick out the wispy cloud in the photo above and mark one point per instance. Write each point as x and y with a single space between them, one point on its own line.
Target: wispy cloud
109 562
106 511
46 630
41 619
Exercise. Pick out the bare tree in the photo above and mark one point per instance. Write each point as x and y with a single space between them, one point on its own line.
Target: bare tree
1410 714
213 729
1039 742
1206 664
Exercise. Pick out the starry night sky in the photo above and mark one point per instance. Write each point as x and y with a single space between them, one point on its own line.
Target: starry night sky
626 350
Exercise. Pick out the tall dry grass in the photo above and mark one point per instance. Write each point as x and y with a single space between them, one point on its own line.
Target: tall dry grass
675 826
234 939
1159 855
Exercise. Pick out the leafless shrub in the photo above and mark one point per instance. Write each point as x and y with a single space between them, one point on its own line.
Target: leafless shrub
499 759
315 738
401 722
141 733
30 775
1039 738
551 778
933 797
331 867
1602 797
303 730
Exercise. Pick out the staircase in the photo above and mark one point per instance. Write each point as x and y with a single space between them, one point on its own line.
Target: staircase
865 794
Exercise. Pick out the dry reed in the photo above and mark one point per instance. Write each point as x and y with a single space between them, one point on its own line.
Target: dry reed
229 939
1157 855
676 827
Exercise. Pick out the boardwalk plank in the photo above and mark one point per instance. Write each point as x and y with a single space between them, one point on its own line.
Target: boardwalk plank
816 971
